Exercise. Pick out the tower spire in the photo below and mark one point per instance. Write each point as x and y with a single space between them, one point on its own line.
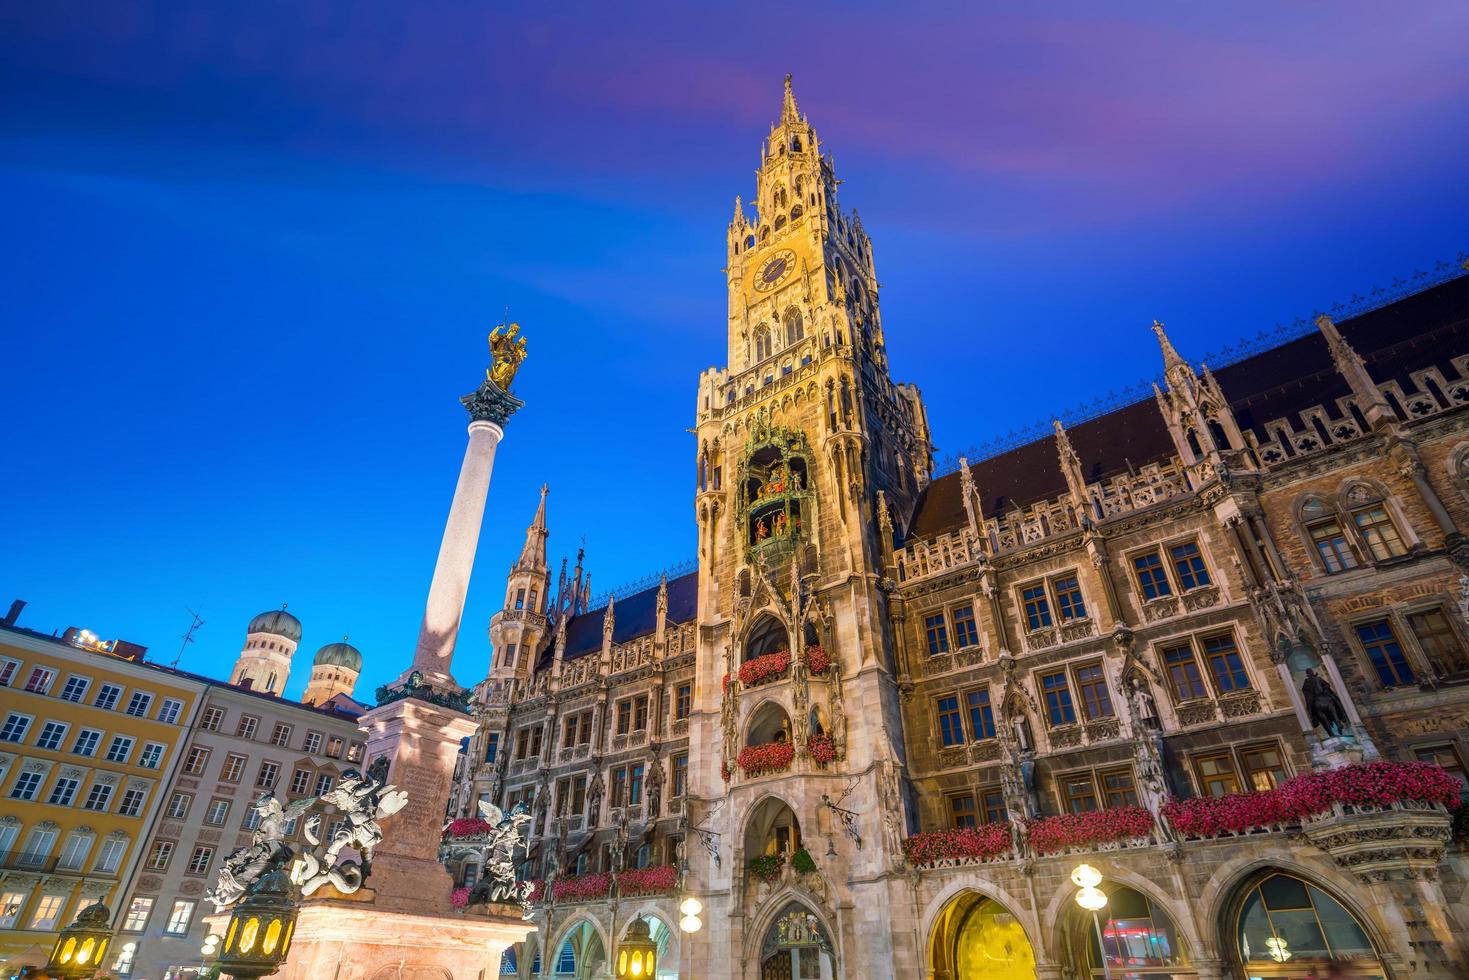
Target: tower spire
533 554
789 112
1170 356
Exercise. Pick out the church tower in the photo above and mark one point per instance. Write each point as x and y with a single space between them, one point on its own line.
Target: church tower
807 453
270 642
518 629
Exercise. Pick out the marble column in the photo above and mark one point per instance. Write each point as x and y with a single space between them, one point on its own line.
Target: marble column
489 409
450 586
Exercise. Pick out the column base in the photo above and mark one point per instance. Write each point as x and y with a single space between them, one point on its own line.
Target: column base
355 940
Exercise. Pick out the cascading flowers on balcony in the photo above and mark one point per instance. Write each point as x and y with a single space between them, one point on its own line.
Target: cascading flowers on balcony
582 888
766 867
816 659
537 891
988 840
759 669
1367 784
1050 834
756 760
468 827
821 748
647 881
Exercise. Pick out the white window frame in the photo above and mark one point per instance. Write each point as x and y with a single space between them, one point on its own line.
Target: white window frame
81 694
170 710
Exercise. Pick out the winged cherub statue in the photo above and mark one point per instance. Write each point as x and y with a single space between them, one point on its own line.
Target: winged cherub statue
266 851
363 799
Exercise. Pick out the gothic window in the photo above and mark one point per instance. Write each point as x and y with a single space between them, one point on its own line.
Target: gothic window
797 211
795 330
1284 920
1332 549
762 342
780 222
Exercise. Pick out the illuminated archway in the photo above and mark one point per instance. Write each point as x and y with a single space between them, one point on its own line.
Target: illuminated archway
797 946
977 938
1138 934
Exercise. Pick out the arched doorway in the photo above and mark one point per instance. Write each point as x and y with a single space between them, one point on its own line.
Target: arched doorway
1138 936
977 938
579 953
797 947
1285 926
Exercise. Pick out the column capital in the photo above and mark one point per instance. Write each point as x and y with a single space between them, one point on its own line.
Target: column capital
490 403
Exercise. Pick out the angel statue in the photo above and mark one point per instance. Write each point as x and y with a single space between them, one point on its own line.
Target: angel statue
507 352
363 800
499 882
266 851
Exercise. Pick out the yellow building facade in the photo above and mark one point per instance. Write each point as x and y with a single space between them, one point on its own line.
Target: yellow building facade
88 740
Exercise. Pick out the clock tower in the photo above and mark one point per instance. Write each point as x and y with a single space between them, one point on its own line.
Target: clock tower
808 452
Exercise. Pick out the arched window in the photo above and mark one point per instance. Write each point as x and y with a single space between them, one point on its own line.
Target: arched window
566 960
1369 514
797 211
780 222
795 329
1136 932
1290 928
975 936
762 342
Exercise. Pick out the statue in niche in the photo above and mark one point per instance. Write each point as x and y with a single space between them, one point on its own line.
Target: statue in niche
594 795
1144 708
1020 730
1323 707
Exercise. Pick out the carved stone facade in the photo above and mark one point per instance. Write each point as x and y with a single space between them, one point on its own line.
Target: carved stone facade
1124 613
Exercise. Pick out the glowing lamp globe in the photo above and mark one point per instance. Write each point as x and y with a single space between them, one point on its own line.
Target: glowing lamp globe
1092 899
691 906
691 923
1085 876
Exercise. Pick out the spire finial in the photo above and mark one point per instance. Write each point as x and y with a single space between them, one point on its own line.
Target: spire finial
789 113
1170 356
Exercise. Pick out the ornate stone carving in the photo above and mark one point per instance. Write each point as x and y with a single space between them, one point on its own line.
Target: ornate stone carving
364 799
1196 713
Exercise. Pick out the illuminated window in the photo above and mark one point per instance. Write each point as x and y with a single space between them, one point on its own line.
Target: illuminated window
136 919
1263 766
179 918
1379 533
1216 774
48 912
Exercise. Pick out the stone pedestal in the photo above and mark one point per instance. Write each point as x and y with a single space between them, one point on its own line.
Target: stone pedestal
402 926
346 940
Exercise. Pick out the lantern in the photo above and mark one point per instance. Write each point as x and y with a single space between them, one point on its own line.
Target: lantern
80 947
637 955
260 928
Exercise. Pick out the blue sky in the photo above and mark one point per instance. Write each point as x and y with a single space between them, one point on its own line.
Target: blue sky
252 254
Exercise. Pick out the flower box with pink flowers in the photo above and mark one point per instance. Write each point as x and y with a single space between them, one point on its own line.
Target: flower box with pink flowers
758 670
647 881
1088 831
1365 787
757 760
582 888
986 842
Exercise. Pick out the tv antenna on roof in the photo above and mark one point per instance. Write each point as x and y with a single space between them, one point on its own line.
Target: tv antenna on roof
188 635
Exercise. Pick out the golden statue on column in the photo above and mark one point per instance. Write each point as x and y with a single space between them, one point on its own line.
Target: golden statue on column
507 353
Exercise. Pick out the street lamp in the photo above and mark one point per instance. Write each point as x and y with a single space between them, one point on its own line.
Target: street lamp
1093 899
258 936
80 947
637 955
691 908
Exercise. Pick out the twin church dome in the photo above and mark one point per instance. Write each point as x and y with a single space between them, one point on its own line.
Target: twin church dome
264 664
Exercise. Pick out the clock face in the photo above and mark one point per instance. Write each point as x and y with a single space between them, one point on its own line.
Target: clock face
775 269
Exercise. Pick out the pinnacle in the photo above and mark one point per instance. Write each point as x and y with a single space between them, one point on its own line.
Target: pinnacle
1170 356
789 112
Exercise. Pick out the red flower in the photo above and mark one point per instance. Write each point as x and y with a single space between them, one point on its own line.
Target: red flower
981 843
770 757
1050 834
816 659
537 891
468 827
759 669
1372 784
459 897
647 881
582 888
821 748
